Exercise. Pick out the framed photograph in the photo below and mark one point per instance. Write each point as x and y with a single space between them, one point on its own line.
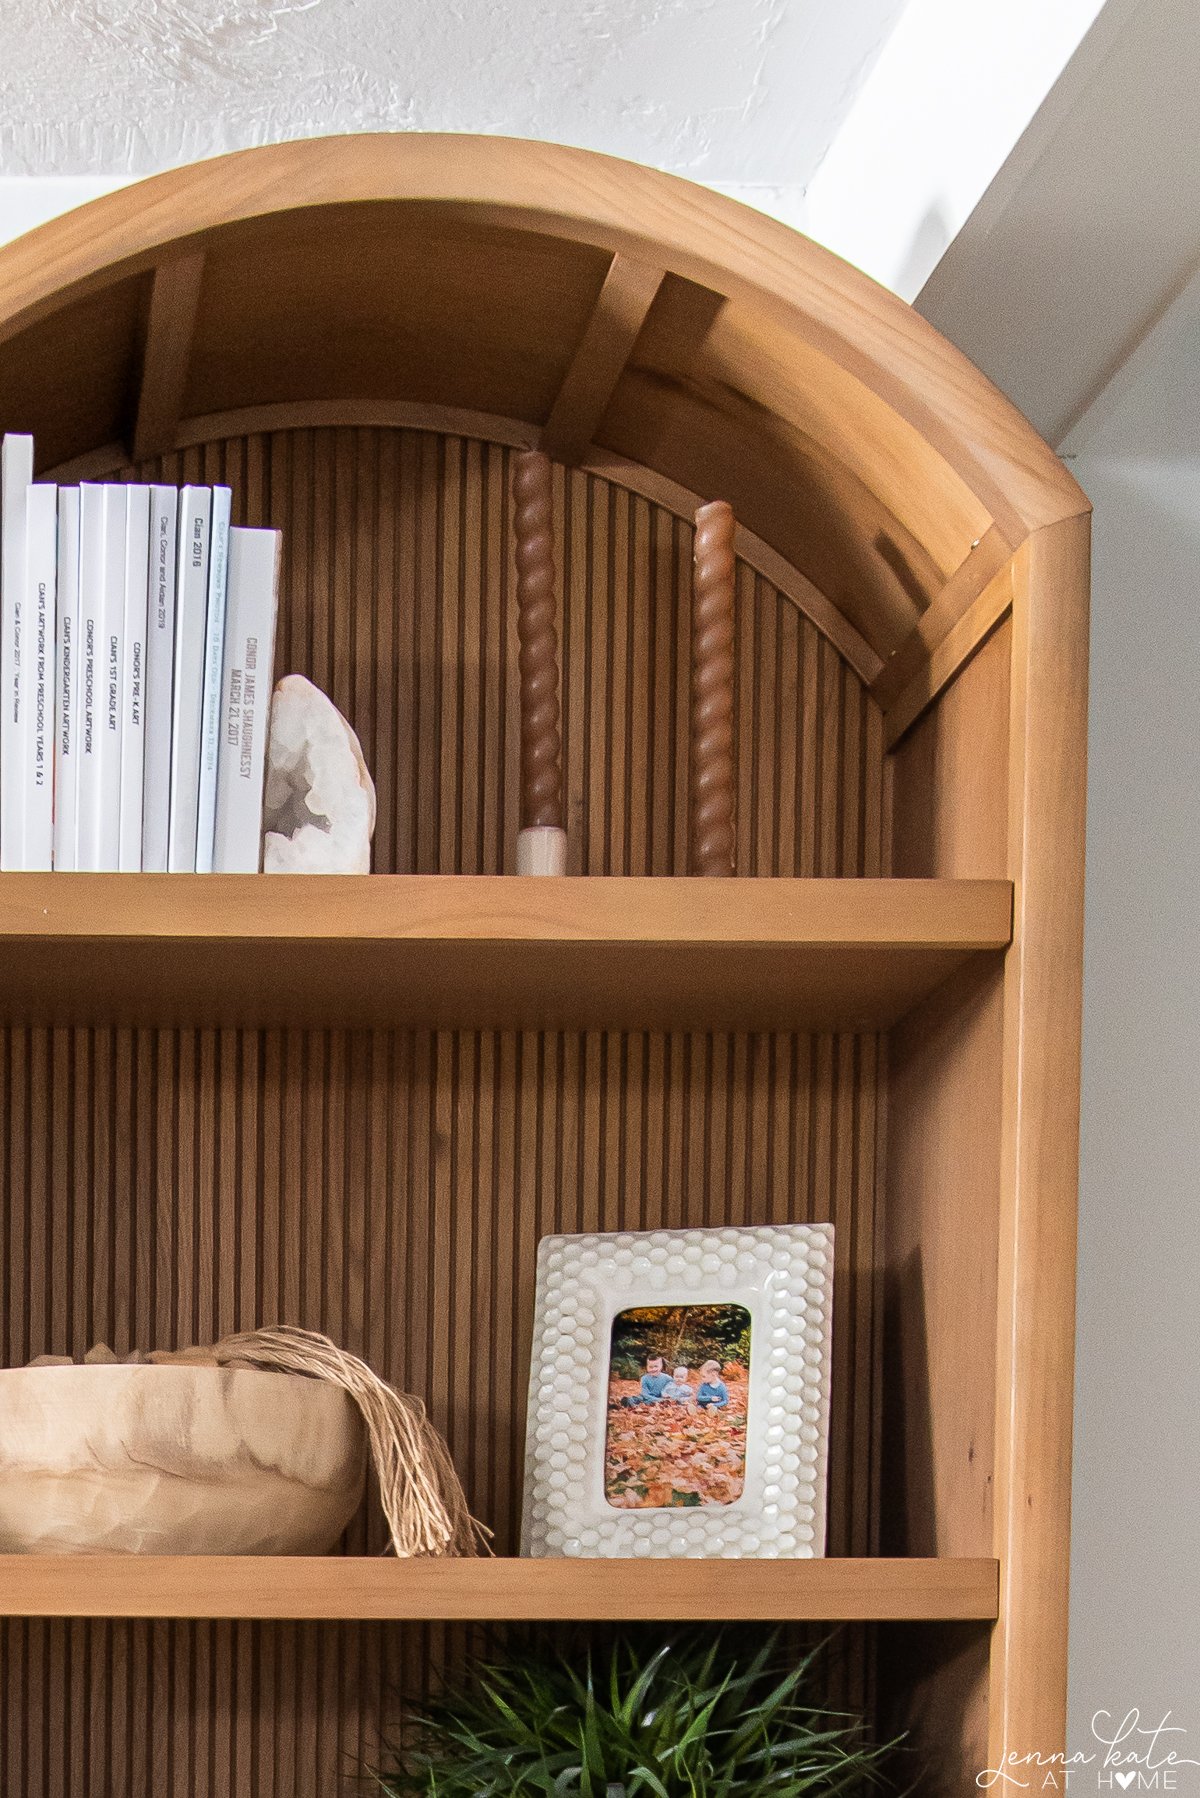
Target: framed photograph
679 1393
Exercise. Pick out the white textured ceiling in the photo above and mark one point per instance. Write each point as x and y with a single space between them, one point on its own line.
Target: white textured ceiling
747 92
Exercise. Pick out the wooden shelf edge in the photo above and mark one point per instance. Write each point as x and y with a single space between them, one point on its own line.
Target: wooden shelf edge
345 1588
490 952
490 908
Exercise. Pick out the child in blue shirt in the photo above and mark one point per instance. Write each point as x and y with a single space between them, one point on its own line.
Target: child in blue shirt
713 1390
655 1381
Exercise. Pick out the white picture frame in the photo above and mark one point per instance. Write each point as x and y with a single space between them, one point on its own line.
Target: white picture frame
782 1274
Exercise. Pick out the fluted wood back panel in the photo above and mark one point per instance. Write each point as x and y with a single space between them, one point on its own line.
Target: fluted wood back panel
163 1187
398 600
388 1188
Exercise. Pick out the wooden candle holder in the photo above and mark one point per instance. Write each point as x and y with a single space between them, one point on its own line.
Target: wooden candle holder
541 842
711 761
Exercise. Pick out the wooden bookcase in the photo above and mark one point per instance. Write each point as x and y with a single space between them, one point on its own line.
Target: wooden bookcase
357 1104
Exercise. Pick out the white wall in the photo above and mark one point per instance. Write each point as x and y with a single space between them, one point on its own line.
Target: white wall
1135 1568
947 99
748 91
745 95
874 125
27 200
1093 224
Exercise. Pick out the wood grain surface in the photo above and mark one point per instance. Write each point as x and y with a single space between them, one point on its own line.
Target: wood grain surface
462 951
1039 1162
345 1587
950 813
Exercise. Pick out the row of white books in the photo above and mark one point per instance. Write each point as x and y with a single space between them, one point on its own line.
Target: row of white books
136 667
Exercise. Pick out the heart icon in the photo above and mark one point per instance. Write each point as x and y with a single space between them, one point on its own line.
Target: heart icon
1124 1780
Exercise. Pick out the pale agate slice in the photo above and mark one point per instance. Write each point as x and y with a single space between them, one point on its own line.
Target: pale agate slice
319 806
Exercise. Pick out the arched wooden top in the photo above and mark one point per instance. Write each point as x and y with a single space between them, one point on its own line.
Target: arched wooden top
532 292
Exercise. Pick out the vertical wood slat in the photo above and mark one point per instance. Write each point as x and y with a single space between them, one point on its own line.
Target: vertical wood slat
391 1187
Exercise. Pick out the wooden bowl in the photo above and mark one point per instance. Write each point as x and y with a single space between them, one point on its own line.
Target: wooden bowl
175 1460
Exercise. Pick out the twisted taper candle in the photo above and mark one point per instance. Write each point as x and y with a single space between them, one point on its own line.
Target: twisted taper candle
711 766
541 775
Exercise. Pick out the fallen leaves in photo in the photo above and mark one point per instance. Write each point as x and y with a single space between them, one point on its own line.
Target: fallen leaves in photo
664 1455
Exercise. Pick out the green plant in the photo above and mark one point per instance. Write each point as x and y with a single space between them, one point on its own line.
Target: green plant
697 1718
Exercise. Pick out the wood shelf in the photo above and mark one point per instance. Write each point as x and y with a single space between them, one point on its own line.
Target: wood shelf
451 951
337 1588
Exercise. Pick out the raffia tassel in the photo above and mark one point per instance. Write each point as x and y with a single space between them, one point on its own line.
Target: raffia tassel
423 1500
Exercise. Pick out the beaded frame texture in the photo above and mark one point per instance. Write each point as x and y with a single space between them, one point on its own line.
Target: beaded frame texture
783 1275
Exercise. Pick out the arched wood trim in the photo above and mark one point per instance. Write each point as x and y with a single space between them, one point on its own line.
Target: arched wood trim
302 415
589 199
